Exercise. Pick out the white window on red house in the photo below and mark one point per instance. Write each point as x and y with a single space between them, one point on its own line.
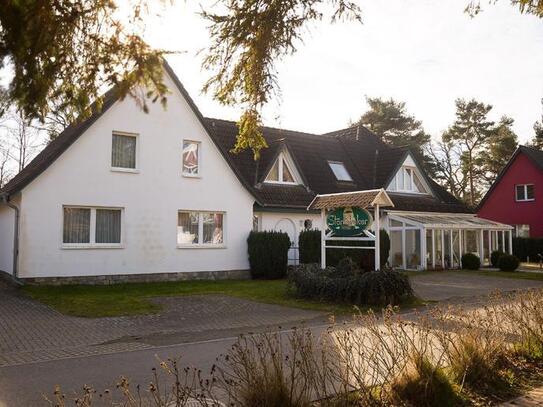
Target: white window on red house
524 192
522 230
191 158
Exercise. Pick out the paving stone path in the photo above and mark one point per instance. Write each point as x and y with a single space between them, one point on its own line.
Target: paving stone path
33 332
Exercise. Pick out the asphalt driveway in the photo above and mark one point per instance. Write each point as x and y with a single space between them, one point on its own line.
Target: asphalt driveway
448 285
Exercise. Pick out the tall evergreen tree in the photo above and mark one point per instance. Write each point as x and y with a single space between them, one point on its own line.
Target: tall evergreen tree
471 130
501 145
390 120
537 141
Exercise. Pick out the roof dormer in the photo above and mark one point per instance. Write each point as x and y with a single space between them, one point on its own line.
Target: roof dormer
283 170
409 179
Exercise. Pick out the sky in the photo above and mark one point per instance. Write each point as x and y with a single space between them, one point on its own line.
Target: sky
426 53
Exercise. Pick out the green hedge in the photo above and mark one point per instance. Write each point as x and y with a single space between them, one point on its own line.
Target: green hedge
309 243
527 247
495 257
508 262
470 261
268 254
346 284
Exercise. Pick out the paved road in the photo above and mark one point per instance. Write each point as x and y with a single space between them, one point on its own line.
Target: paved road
441 286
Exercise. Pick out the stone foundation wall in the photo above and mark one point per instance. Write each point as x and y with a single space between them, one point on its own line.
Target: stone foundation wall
139 278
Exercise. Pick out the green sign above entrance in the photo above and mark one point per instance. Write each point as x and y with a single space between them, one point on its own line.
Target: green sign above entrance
349 221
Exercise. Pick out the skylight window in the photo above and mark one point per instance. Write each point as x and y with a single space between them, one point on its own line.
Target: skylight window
339 170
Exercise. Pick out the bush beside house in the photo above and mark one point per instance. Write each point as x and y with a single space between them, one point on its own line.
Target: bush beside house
309 243
495 257
508 262
470 261
346 283
268 254
527 248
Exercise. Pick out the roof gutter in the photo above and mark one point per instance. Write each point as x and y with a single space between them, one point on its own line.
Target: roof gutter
15 272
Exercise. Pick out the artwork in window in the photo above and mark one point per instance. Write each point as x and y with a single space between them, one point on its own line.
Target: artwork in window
108 226
339 170
191 157
187 228
274 172
76 228
287 176
123 151
212 228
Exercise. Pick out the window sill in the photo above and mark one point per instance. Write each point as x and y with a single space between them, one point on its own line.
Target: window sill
90 246
127 170
524 200
201 246
191 175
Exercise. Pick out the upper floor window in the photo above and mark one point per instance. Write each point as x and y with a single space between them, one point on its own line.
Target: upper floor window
407 180
191 158
524 192
91 226
522 230
124 151
280 172
339 170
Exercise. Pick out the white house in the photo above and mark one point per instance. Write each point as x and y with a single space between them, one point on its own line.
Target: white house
127 195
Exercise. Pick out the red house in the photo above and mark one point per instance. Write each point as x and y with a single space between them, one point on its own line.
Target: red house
516 197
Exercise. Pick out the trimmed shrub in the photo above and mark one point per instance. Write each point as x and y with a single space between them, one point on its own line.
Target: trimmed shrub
495 257
349 285
508 262
268 254
470 261
527 247
309 243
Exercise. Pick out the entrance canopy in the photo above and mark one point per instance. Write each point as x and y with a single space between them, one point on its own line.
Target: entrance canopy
352 222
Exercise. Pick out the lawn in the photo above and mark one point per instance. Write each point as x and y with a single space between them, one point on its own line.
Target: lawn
134 299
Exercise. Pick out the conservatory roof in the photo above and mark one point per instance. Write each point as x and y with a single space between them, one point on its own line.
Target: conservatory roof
447 221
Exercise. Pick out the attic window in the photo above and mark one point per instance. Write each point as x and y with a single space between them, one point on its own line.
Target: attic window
408 180
339 170
281 173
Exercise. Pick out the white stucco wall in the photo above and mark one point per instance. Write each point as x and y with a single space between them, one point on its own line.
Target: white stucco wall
7 226
151 198
288 222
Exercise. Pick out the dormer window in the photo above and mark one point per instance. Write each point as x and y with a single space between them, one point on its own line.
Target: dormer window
282 172
339 170
408 180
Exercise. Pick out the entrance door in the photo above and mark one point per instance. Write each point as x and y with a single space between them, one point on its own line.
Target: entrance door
287 226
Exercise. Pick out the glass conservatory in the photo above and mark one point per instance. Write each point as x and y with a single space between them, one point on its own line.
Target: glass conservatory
436 241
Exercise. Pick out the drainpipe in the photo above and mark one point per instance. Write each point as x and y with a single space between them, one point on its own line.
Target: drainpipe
5 198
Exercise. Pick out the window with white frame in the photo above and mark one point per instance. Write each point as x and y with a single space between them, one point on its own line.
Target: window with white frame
281 173
91 226
200 228
191 158
124 151
407 179
524 192
339 170
522 230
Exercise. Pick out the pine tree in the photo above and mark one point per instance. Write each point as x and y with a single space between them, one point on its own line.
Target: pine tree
537 141
501 145
471 130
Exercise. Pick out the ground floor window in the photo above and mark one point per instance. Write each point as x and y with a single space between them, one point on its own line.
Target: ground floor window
522 230
200 228
91 226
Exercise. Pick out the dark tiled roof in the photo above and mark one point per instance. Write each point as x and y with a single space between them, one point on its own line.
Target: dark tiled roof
532 153
370 163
